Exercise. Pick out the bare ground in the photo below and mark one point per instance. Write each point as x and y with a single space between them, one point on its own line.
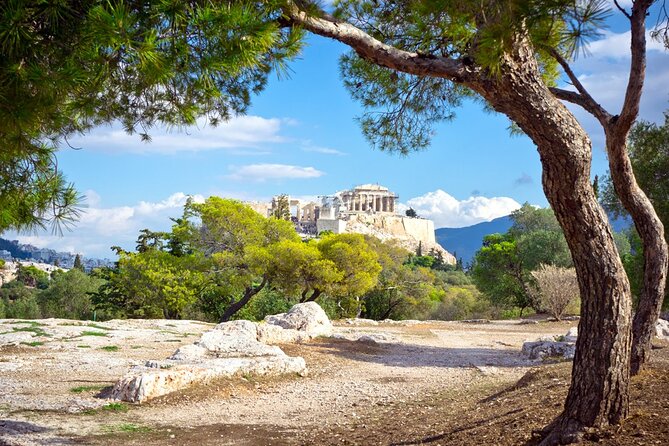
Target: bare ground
430 383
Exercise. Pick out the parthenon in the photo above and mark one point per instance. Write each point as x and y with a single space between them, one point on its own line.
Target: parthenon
368 198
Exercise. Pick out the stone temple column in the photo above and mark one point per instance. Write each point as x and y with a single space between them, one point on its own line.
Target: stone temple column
384 204
392 204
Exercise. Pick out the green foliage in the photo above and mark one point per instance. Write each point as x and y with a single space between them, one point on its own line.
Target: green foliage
77 263
502 267
281 207
354 259
265 303
462 302
19 301
93 333
82 389
150 284
32 276
401 110
110 348
68 295
70 64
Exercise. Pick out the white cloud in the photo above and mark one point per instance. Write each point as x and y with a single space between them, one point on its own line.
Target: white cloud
99 228
319 149
243 132
604 73
448 212
264 172
617 45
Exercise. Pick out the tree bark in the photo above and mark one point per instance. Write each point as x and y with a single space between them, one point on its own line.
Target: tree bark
314 296
249 292
631 196
636 202
656 256
599 393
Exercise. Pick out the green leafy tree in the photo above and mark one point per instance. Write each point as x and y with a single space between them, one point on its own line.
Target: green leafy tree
77 263
32 276
150 284
498 272
359 268
19 301
281 207
68 295
411 212
236 240
299 269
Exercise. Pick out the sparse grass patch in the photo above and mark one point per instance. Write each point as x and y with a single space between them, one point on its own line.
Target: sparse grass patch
82 389
126 427
110 348
92 333
116 407
33 323
99 327
135 347
32 329
83 346
33 343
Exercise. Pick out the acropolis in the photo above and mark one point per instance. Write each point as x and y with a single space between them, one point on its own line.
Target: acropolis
367 209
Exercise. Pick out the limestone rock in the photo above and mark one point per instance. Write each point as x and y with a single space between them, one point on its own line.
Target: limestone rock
662 329
360 321
571 335
545 349
144 383
308 317
274 334
230 348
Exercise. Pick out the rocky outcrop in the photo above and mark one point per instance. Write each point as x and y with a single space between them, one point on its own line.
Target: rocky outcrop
662 329
549 349
407 232
307 317
552 347
230 348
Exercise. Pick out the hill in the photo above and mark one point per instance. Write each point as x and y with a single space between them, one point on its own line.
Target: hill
464 242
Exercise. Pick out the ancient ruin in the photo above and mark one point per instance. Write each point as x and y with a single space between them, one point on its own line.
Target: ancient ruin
366 209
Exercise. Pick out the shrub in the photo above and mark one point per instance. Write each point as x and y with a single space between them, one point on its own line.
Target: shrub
556 288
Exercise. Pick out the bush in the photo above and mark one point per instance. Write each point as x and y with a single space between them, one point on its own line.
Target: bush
25 307
556 289
265 303
464 302
68 296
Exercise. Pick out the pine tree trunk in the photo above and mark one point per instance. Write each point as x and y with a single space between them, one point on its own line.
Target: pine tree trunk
238 305
599 393
656 257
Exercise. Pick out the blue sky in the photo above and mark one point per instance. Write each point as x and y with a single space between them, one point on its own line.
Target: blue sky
301 138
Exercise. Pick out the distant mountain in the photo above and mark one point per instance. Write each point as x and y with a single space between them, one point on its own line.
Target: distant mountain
14 248
464 242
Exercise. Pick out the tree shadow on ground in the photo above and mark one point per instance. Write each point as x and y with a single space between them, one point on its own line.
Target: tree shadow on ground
413 355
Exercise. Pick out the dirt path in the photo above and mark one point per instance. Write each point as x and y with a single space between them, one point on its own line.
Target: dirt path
347 381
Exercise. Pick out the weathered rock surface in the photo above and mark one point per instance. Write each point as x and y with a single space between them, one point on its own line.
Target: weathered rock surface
237 347
571 335
308 317
547 349
147 382
662 329
550 347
